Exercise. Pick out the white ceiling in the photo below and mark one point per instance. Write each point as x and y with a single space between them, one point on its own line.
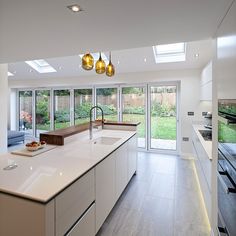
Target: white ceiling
125 61
42 29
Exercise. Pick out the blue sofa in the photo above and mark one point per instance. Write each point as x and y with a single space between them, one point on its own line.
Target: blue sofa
13 137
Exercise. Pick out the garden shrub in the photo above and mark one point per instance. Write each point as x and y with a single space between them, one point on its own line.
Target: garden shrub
62 115
134 110
42 114
107 109
163 110
82 111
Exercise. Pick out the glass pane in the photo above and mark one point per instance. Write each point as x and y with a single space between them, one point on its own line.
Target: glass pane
42 114
133 109
25 108
107 100
83 103
61 108
163 117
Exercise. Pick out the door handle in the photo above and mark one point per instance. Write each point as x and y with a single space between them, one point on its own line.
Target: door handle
222 231
224 185
227 121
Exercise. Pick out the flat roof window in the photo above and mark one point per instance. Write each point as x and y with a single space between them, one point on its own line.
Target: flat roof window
41 66
166 53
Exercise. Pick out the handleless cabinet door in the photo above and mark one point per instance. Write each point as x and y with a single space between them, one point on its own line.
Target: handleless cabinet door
86 225
73 202
132 156
105 189
121 169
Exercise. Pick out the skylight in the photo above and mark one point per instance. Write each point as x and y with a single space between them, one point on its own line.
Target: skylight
165 53
96 56
41 66
9 74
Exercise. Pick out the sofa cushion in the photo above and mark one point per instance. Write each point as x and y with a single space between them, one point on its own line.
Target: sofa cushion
14 134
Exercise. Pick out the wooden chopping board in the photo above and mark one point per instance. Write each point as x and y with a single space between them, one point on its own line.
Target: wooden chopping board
25 152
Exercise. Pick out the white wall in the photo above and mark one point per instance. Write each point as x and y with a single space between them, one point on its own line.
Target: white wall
189 100
4 107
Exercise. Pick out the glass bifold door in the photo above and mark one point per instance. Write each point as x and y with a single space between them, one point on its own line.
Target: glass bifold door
154 106
163 117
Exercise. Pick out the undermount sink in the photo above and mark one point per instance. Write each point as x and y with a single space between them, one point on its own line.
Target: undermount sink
206 134
105 140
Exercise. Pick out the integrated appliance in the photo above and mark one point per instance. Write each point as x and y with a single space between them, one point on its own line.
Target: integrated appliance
208 120
227 167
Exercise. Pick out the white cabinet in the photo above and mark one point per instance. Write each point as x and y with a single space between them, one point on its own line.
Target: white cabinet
206 83
19 216
206 92
204 160
203 167
132 156
105 189
121 168
111 177
73 201
86 225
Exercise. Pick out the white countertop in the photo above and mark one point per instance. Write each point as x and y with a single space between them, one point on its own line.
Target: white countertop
207 145
41 177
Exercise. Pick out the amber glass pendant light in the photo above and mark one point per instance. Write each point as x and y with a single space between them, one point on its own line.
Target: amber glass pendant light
87 61
100 66
110 69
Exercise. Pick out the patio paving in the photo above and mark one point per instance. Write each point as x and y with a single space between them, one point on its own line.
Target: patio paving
159 144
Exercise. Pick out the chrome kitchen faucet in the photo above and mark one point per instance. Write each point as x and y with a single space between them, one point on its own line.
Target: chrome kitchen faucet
91 122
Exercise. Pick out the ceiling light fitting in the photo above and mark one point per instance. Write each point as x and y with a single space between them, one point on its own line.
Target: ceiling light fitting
74 8
110 69
87 61
100 66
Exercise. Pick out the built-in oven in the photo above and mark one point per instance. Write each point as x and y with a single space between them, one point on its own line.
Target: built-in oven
227 167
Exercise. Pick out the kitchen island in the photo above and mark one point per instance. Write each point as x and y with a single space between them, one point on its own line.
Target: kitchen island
68 190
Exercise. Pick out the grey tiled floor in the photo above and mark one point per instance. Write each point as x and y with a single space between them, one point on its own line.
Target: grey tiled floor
161 200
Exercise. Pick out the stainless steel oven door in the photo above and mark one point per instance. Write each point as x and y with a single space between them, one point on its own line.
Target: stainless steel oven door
226 202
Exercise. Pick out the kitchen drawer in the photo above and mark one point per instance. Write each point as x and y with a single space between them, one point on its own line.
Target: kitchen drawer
73 201
86 225
202 156
204 187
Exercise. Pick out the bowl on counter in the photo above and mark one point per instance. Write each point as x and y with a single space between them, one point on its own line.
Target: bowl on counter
31 149
34 146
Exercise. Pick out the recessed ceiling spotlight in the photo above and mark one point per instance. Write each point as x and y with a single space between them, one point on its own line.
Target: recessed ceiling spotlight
59 67
118 62
9 74
74 8
196 55
30 70
145 59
